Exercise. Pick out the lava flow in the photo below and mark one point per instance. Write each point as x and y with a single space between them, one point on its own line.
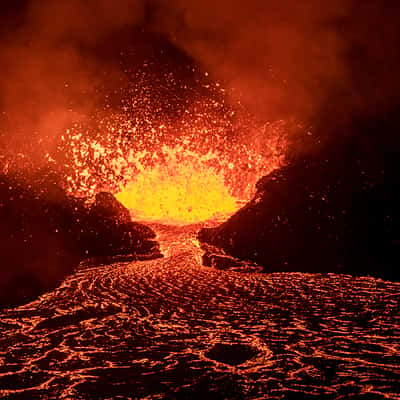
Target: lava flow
171 328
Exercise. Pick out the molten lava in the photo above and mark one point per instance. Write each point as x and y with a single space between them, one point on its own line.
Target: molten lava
178 192
197 163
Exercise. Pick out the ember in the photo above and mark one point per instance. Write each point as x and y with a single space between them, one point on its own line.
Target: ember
181 171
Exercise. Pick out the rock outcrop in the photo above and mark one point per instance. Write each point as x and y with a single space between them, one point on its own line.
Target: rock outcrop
337 211
44 234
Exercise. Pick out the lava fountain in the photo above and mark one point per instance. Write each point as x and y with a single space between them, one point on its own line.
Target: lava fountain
197 165
182 190
181 181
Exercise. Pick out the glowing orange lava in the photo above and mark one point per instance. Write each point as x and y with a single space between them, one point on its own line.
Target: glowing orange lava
178 196
184 183
198 165
182 190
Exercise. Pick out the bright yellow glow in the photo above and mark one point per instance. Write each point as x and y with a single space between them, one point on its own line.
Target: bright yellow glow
180 191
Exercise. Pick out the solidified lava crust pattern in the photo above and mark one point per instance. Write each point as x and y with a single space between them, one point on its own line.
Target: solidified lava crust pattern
171 328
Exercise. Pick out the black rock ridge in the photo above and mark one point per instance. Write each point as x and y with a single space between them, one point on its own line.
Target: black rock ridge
333 211
44 234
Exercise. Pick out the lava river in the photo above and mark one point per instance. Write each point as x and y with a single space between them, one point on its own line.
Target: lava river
172 328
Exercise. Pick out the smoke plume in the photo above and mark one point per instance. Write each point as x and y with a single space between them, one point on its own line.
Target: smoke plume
316 60
322 63
57 66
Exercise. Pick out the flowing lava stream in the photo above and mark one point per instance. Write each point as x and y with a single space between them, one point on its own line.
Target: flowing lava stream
173 328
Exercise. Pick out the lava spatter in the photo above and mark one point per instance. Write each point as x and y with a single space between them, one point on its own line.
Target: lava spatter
183 168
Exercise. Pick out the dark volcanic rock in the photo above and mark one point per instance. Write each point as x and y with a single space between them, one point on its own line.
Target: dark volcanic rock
108 207
110 230
231 353
337 211
215 258
44 234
